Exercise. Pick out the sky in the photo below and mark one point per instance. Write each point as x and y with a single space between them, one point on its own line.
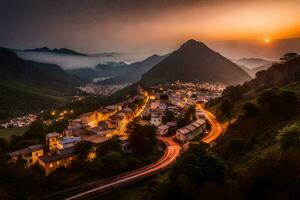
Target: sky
93 26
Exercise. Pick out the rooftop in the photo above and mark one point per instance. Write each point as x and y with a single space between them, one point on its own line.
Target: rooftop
27 150
54 134
56 157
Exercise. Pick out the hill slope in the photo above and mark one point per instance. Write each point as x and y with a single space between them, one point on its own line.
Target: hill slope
194 61
118 72
29 86
136 70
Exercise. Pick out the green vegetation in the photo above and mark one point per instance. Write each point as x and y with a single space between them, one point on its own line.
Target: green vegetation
28 86
188 117
142 139
9 132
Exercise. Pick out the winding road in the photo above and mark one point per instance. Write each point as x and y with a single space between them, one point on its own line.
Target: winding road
166 161
216 128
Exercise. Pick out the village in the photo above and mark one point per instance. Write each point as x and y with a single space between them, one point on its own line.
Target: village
162 106
20 121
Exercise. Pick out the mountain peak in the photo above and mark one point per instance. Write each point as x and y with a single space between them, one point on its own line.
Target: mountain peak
192 44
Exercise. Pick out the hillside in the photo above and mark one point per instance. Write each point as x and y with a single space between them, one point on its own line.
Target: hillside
194 61
118 73
261 145
29 86
136 70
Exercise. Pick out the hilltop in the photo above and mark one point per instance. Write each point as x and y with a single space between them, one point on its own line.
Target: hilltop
195 62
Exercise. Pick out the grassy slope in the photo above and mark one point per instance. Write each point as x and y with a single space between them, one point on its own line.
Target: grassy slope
8 132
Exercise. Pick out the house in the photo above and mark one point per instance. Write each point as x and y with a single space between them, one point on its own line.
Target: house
96 140
190 131
53 162
163 130
67 142
29 154
125 145
52 140
156 119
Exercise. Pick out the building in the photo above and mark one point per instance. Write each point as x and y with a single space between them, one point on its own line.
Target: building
189 132
125 145
29 154
156 119
52 140
53 162
67 142
163 130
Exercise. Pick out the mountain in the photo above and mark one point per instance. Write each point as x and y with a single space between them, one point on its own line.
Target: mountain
118 72
30 86
252 72
56 50
252 62
136 70
194 61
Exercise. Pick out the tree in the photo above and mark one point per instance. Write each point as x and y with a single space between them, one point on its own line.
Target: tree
82 149
113 162
288 56
111 145
249 109
226 109
278 101
142 139
188 117
3 145
170 116
200 165
290 135
37 130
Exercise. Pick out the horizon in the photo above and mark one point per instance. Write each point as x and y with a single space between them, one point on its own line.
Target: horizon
114 26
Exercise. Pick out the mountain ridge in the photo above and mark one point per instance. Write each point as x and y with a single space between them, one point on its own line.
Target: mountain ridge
194 61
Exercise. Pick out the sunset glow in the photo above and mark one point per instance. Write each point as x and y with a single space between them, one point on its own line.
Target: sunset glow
267 40
147 26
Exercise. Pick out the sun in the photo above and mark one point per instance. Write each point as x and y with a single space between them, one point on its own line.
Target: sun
267 40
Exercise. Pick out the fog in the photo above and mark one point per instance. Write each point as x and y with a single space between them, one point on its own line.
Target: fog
74 61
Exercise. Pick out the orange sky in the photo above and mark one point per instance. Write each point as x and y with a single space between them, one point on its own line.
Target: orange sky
143 25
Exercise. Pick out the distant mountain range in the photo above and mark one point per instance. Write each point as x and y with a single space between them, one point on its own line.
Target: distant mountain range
30 86
55 50
253 65
195 62
118 73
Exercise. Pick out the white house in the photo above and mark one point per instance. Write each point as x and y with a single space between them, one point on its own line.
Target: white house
190 131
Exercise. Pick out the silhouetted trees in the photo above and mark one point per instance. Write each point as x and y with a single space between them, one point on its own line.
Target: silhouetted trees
142 139
200 165
226 109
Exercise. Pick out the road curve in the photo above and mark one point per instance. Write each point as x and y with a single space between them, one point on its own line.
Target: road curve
216 128
169 158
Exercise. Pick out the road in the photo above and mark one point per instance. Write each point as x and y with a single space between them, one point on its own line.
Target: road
216 128
166 161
